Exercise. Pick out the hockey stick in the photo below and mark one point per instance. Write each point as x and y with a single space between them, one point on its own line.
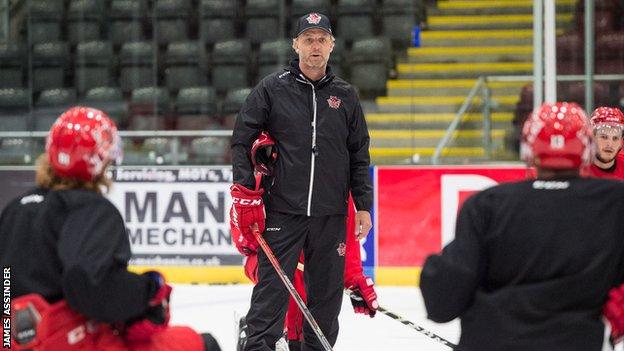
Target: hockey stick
291 289
395 316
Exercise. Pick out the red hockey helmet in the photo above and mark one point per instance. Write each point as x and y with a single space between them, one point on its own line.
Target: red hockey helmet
264 154
556 136
82 142
607 117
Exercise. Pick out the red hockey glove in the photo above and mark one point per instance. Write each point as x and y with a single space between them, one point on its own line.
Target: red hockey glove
613 310
157 316
363 287
247 209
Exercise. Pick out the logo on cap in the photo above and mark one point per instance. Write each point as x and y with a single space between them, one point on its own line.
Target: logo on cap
313 18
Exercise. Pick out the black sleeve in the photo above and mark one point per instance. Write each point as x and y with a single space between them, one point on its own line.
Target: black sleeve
449 280
94 249
359 158
251 120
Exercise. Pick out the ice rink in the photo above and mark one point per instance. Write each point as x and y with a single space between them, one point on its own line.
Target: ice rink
215 309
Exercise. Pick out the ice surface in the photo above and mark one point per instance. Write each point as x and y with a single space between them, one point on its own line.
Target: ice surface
216 308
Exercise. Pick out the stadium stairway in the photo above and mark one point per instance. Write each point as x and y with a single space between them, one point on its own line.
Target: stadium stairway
465 40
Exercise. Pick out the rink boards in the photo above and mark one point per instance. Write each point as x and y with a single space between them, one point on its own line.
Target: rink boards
177 218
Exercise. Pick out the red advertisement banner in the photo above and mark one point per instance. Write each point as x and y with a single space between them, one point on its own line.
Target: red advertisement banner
417 207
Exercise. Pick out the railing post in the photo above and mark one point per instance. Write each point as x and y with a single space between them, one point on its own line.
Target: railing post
487 122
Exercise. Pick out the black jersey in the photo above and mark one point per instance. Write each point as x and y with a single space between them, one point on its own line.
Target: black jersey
531 265
72 245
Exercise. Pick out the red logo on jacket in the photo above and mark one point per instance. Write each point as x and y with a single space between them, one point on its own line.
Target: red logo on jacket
342 249
333 102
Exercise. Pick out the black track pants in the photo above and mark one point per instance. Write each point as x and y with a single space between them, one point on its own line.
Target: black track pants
322 240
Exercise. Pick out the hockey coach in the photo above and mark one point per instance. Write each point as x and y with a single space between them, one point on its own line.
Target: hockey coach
319 128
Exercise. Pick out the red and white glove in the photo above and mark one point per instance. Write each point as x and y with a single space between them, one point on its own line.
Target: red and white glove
247 209
364 287
613 310
157 316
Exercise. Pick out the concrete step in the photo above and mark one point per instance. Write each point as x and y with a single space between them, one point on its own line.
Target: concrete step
462 70
431 138
415 121
411 155
483 37
507 21
447 87
450 54
429 104
453 7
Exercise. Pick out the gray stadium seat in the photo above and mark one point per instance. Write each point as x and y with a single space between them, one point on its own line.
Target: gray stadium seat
11 65
51 104
49 62
137 66
14 109
355 19
45 21
209 151
397 21
92 65
158 150
126 21
274 56
148 108
369 64
302 7
196 109
84 21
172 17
109 100
184 65
262 20
15 151
217 20
232 104
336 58
230 64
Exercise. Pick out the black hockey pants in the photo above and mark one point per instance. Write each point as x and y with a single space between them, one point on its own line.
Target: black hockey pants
322 240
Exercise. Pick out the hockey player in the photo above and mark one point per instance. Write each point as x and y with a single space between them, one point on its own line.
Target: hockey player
530 267
317 120
608 127
68 250
263 156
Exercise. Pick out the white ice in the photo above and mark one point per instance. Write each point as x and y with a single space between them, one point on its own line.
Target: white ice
216 308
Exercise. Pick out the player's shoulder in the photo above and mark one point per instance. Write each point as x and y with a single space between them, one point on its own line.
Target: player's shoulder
76 199
31 198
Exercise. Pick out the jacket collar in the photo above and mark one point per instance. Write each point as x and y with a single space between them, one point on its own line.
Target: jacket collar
293 68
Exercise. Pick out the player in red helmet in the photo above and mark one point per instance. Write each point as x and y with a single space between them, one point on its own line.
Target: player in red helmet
608 127
68 251
263 155
530 268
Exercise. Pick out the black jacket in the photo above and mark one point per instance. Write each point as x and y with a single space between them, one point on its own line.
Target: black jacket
72 245
531 265
322 142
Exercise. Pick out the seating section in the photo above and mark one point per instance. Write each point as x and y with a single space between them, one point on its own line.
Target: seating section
189 64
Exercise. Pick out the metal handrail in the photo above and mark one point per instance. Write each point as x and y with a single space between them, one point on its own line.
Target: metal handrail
482 82
458 117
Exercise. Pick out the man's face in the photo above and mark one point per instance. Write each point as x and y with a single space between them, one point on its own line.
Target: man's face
608 143
314 47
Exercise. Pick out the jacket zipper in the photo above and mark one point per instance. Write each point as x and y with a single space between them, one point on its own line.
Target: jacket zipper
312 162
